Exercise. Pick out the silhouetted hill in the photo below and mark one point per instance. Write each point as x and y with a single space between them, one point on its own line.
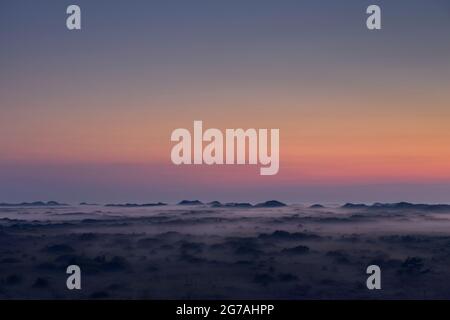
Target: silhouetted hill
399 206
33 204
189 203
238 205
135 205
270 204
354 206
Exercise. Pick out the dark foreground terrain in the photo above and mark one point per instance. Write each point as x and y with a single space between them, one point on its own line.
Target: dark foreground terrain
218 252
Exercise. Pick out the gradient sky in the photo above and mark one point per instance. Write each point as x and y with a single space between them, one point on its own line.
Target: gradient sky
87 115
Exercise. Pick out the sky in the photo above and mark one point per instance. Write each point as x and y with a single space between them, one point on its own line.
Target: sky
87 115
